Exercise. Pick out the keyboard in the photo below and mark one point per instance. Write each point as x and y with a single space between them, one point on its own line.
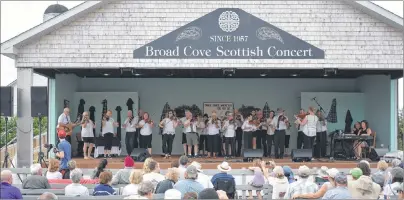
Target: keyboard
353 137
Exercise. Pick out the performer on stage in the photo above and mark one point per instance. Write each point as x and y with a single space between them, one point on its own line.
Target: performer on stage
249 128
137 119
145 137
168 124
108 124
255 132
184 137
130 128
203 137
191 134
280 123
309 129
229 128
87 134
261 132
365 130
300 135
321 136
65 122
270 133
213 135
239 131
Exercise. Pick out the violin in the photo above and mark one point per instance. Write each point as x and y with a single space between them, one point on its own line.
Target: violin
302 116
149 121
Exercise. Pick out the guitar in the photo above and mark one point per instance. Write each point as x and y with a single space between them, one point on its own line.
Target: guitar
68 128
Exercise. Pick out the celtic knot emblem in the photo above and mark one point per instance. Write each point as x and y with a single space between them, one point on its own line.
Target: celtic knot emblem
229 21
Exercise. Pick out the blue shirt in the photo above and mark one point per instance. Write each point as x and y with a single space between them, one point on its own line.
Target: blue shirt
221 176
188 185
103 190
67 150
338 193
8 191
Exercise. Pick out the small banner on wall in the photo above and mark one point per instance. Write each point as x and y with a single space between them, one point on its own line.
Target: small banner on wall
220 108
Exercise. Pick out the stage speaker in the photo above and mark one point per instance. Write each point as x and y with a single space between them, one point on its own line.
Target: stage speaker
139 154
6 101
301 155
376 153
39 101
253 153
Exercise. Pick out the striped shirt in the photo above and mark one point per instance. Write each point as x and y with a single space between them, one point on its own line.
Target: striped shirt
302 186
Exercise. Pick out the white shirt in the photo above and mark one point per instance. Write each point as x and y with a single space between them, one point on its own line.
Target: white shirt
201 128
282 124
54 175
212 129
270 130
131 127
168 126
310 128
279 187
264 125
88 130
154 177
109 126
76 189
191 128
63 119
321 126
204 180
130 189
229 129
146 129
182 170
247 127
303 186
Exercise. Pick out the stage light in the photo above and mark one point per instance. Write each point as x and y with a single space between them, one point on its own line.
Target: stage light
294 75
106 74
263 74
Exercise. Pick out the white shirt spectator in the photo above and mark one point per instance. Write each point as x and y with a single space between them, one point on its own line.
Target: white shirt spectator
321 126
154 177
182 170
76 190
54 175
282 124
130 189
229 129
146 129
204 180
63 119
168 126
302 186
88 130
109 126
247 127
280 187
131 126
212 129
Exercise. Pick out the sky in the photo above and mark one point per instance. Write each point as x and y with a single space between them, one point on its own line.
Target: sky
19 16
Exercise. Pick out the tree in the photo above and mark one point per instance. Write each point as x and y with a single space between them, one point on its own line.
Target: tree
400 134
12 128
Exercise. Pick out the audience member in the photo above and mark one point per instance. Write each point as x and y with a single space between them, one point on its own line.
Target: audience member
278 181
101 167
71 165
104 188
172 194
183 162
356 173
397 176
222 195
379 179
401 192
208 193
53 170
340 191
175 164
122 176
190 195
395 163
289 174
202 178
224 181
382 167
64 151
364 187
36 180
172 176
258 180
145 191
48 196
76 189
154 175
7 191
303 185
331 173
135 178
189 184
146 165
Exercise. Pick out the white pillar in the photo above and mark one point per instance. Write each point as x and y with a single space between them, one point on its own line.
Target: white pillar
24 121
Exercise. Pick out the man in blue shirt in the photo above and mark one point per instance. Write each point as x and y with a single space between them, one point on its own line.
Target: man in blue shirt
7 191
189 184
224 181
64 151
341 190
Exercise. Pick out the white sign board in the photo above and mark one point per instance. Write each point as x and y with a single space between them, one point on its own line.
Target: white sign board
220 108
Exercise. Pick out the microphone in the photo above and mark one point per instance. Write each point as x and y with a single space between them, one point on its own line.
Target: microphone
314 98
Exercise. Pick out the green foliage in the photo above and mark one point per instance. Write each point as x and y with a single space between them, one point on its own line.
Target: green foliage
12 128
400 134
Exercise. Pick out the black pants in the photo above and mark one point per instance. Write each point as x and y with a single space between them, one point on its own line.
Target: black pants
229 141
168 140
203 143
270 140
129 140
321 144
69 138
213 143
308 142
300 137
262 142
108 141
247 140
239 141
258 133
279 141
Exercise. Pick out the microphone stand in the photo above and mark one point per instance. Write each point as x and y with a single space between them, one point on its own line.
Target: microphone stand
321 108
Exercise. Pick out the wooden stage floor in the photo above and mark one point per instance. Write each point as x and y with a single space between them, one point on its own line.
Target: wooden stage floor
211 163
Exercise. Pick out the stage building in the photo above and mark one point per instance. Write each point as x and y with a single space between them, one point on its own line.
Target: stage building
288 54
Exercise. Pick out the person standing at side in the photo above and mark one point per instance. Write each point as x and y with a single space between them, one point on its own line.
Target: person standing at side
87 134
63 152
280 123
168 124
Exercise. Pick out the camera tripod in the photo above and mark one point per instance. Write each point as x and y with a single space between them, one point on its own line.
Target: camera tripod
6 154
40 153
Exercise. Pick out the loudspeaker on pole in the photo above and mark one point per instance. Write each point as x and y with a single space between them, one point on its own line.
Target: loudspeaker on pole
6 101
39 101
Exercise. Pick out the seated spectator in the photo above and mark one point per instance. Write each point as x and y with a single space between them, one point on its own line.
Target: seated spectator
397 176
36 180
224 181
7 191
48 196
172 194
154 175
172 176
379 179
183 162
101 168
364 187
53 170
322 175
395 163
258 180
104 188
175 164
146 165
189 184
303 185
331 173
190 195
145 191
122 176
135 178
76 189
202 178
356 173
71 165
278 181
208 193
289 174
340 191
382 167
401 192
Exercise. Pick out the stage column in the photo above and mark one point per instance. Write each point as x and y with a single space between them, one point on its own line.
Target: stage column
393 115
24 121
52 121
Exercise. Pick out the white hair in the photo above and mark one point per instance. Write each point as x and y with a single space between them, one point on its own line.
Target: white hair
172 194
145 188
396 162
76 175
48 196
36 169
6 175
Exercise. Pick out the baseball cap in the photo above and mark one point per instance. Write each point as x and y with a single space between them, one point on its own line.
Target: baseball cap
332 172
304 171
61 133
192 172
356 173
340 178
